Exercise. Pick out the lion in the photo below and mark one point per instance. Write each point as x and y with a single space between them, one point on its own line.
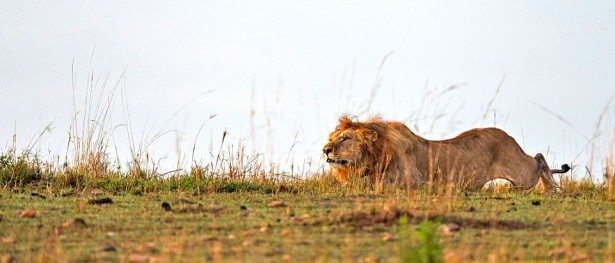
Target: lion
388 151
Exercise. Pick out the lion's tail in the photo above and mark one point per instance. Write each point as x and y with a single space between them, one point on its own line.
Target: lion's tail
564 169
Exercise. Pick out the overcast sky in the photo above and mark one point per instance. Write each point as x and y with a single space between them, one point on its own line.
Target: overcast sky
278 74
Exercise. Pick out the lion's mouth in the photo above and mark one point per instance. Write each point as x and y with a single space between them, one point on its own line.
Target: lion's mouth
339 162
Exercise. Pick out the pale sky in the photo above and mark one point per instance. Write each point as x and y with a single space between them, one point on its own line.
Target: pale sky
300 64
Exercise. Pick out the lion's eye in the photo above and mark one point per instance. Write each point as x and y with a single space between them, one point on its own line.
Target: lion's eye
343 139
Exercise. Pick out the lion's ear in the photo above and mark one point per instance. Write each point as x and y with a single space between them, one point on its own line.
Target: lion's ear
367 134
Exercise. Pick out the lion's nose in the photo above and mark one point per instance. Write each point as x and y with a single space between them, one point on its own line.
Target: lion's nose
327 150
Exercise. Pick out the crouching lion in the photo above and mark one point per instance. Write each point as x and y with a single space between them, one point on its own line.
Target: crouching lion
387 151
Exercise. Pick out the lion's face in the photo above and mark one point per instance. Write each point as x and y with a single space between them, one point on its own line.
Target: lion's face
347 147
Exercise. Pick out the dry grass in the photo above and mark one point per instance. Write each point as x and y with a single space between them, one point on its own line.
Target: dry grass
498 224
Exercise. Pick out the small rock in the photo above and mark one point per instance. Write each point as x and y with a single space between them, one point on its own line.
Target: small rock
276 203
471 209
107 249
146 248
215 208
276 251
558 253
100 201
8 240
247 243
67 223
387 237
28 213
67 194
38 195
286 257
57 230
138 258
243 213
448 228
326 204
184 200
8 259
285 232
536 202
453 257
79 222
248 233
166 206
243 208
580 257
96 192
210 238
264 229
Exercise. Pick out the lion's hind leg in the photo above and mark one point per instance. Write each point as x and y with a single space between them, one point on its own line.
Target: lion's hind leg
546 177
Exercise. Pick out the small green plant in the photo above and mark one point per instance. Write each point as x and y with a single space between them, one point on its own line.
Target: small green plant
422 245
19 170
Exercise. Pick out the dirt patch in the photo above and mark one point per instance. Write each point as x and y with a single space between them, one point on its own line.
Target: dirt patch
372 218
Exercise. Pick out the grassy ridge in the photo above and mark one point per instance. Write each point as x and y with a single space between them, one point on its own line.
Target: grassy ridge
214 215
235 209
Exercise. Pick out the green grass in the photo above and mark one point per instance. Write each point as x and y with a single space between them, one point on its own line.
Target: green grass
219 211
314 225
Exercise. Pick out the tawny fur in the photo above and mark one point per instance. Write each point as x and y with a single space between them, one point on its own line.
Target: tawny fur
387 151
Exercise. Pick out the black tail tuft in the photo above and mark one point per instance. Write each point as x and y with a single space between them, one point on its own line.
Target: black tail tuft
565 168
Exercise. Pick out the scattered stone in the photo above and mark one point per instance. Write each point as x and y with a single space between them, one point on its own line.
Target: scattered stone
264 229
8 259
558 253
275 251
248 233
147 248
452 256
107 249
8 240
68 194
38 195
184 200
285 232
213 208
243 208
138 258
79 222
243 213
67 223
448 228
96 192
471 209
276 203
246 243
536 202
580 257
166 206
210 238
100 201
296 220
57 230
286 257
28 213
326 204
387 237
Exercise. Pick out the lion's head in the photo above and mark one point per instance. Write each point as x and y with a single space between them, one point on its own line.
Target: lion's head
348 147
